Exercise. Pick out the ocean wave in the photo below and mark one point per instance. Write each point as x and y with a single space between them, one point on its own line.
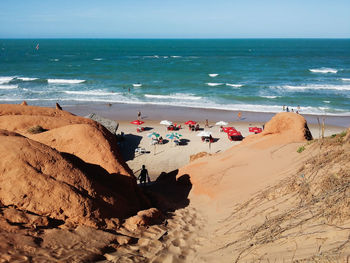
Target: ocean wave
314 87
98 59
4 80
176 56
91 92
345 79
54 59
8 86
324 70
234 85
326 101
65 81
213 75
270 97
154 56
26 79
176 96
214 84
188 104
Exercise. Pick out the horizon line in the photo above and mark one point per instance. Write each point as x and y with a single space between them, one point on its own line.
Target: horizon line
169 38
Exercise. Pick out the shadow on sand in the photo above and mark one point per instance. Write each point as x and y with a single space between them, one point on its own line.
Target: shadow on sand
169 193
128 145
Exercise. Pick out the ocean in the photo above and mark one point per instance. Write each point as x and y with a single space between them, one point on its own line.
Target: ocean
259 75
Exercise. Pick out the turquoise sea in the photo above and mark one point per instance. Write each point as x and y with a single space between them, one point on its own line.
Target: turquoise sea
234 74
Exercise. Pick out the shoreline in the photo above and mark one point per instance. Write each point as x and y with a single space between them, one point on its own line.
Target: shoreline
125 112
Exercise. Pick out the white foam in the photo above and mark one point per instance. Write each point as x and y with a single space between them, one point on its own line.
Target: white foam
55 59
314 87
8 86
98 59
137 85
26 79
213 75
345 79
90 92
176 96
324 70
269 97
326 101
4 80
214 84
176 56
234 85
65 81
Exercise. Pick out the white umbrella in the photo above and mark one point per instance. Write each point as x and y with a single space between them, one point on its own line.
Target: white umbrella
204 134
166 122
221 123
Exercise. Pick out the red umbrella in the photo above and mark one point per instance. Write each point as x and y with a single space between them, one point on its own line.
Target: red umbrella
137 122
190 122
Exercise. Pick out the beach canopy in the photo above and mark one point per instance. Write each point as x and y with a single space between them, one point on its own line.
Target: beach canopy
234 133
137 122
221 123
166 122
204 134
155 134
228 129
190 122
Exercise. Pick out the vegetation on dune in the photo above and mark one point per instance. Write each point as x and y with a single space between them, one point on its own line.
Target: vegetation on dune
36 129
306 210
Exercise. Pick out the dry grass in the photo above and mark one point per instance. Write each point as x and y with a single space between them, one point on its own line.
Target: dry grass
316 201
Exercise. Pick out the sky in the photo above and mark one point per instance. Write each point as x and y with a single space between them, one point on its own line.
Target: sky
174 19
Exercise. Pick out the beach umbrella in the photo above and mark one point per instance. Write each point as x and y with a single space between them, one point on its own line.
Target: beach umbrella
190 122
170 136
166 122
221 123
177 134
173 135
155 134
137 122
204 134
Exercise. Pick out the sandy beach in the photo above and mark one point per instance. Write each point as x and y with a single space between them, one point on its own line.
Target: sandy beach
167 157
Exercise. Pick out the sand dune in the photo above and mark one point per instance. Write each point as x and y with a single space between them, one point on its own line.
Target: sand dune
66 193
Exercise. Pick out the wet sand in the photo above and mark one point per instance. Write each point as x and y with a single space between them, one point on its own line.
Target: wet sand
119 112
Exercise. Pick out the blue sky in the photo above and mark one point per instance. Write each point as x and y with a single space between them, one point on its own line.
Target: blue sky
174 19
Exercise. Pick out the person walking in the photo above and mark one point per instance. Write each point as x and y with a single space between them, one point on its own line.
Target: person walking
139 115
144 176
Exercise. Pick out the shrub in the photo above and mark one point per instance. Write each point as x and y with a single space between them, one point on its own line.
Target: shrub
36 129
301 149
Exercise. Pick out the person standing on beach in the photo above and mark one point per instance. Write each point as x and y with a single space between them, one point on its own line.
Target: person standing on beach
239 115
139 115
144 175
206 123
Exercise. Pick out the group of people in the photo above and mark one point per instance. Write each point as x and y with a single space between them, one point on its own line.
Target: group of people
157 140
193 127
286 109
